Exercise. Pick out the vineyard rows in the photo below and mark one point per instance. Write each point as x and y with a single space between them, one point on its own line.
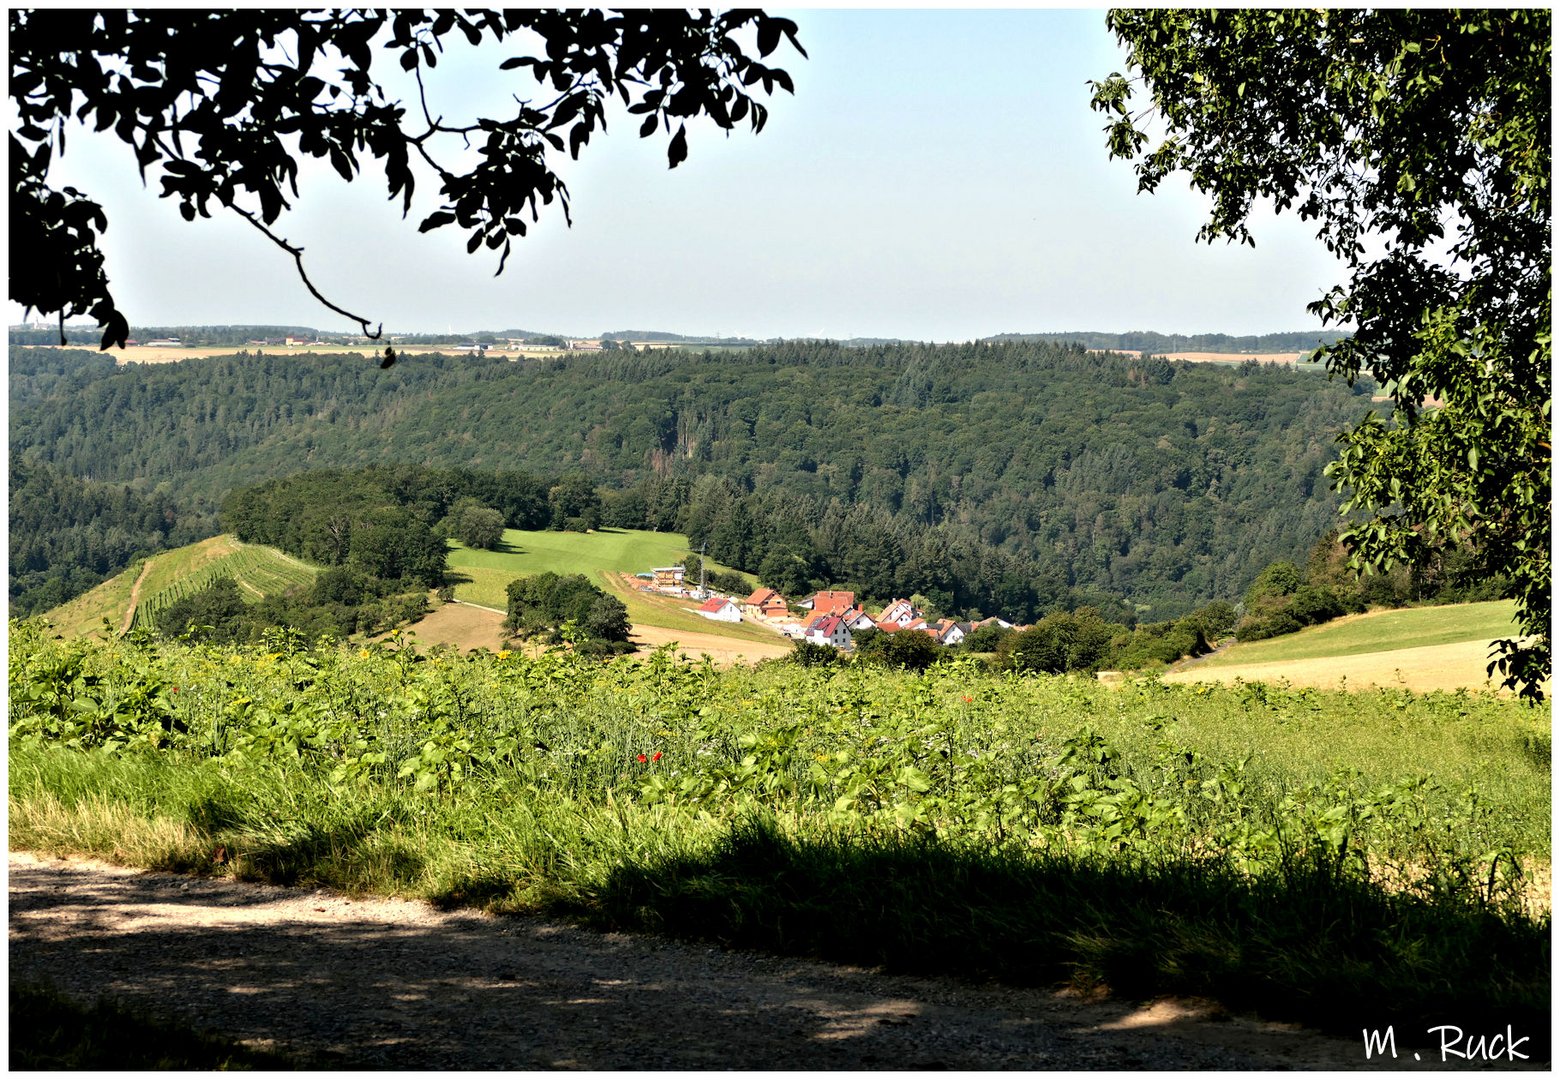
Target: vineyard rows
256 570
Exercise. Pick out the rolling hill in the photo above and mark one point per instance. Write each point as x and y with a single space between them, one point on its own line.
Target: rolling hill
1421 649
138 594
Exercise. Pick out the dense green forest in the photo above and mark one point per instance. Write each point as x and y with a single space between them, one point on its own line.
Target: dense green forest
1075 475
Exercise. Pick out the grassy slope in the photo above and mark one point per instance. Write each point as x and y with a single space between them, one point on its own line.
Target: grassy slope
601 556
1382 631
111 600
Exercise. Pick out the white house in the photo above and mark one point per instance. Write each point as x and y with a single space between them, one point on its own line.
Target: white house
856 619
946 631
902 612
721 609
829 630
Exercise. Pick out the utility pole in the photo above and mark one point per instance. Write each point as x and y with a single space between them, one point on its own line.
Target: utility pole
703 593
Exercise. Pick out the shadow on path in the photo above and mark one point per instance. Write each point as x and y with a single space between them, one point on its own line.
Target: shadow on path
337 982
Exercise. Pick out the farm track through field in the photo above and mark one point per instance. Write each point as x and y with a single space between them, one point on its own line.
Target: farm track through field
135 596
335 982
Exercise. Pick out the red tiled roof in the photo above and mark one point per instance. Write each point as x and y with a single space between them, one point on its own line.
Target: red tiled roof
714 603
761 597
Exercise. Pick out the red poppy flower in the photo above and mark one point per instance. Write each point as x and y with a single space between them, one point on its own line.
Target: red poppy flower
642 759
968 699
656 756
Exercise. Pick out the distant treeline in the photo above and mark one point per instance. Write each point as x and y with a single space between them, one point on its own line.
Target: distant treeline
187 335
1150 341
1165 483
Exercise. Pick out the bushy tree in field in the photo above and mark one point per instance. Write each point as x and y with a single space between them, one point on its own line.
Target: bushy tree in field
475 525
1062 641
909 649
1418 140
215 613
223 103
542 604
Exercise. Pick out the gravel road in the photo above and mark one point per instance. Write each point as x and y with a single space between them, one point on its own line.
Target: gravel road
337 982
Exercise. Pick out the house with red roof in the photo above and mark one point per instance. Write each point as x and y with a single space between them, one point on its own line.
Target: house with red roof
856 619
721 609
826 602
828 630
769 603
946 631
900 612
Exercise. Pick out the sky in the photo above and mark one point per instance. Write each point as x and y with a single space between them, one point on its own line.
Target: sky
938 176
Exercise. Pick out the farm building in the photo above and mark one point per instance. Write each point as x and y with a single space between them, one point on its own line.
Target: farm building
721 609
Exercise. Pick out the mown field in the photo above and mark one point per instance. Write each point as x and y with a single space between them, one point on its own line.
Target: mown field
603 556
149 586
1342 859
1422 649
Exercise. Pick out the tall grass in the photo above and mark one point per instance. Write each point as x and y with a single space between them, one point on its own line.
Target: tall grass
1315 855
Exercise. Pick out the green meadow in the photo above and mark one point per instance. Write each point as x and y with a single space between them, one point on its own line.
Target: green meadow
1406 628
483 576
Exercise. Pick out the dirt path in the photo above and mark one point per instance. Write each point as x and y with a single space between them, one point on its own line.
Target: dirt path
135 595
373 983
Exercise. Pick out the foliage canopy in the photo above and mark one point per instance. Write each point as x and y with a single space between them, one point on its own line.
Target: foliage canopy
1419 142
225 102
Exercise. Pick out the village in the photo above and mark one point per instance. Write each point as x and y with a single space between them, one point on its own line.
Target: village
830 615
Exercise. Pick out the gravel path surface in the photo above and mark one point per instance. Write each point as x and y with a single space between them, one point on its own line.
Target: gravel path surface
385 984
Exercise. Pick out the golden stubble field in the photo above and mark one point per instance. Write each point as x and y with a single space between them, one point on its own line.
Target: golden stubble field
165 354
1458 666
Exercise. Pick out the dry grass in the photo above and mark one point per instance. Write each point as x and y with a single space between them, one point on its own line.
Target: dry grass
459 625
1459 666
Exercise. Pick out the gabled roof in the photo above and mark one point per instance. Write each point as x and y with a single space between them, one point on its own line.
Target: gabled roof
761 597
828 624
714 603
827 600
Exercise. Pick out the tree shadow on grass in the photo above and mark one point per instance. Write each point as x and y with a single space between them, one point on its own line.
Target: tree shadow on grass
1307 945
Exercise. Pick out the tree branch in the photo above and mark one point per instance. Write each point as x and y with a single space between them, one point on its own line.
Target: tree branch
297 254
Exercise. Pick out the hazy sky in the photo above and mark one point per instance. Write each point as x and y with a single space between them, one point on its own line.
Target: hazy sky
938 175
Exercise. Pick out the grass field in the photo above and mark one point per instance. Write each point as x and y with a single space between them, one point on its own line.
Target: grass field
259 571
1421 649
603 556
1381 631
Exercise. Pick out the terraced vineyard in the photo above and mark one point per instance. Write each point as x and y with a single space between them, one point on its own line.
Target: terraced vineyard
149 586
258 571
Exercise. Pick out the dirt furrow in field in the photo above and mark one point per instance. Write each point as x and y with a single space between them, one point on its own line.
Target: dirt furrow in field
377 983
135 595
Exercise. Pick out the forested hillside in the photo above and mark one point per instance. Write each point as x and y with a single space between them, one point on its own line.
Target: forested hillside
1167 483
